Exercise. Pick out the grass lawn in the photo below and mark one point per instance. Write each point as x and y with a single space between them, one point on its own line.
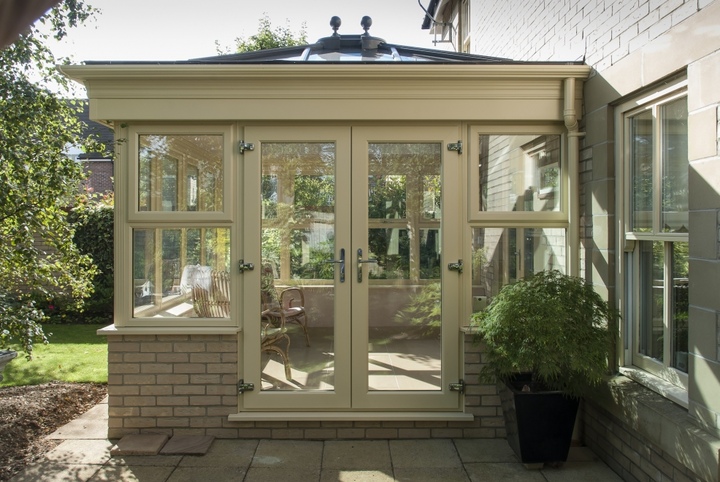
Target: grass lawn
75 354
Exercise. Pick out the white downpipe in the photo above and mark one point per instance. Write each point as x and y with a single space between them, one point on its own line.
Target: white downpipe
573 179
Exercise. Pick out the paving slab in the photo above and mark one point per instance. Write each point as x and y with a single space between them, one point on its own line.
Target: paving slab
139 444
93 424
187 445
334 475
214 474
423 453
502 471
485 450
273 474
430 474
372 455
126 473
294 454
80 452
224 453
55 471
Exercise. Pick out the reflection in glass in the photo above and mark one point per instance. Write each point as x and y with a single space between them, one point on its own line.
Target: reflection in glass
170 266
652 298
404 218
298 241
675 166
641 151
681 305
519 173
180 172
503 255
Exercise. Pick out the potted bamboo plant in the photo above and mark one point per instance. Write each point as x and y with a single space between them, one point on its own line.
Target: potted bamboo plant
547 341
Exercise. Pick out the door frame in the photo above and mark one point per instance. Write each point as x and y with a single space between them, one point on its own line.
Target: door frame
351 340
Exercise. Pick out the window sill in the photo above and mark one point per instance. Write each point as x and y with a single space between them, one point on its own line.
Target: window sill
167 330
657 385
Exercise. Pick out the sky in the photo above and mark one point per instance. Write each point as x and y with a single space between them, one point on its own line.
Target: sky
185 29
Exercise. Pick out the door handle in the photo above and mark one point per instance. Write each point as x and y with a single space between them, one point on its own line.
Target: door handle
360 262
341 262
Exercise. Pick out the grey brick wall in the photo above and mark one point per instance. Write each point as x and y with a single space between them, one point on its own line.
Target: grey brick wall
186 385
599 31
628 453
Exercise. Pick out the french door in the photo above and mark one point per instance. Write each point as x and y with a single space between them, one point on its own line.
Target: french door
359 226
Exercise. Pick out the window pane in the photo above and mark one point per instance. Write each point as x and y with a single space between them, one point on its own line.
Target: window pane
520 173
652 298
181 272
180 173
681 302
504 255
675 167
641 152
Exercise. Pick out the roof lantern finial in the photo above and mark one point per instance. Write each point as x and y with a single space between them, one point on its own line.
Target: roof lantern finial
335 23
366 23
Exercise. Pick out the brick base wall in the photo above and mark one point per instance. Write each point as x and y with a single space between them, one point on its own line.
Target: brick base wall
186 385
628 453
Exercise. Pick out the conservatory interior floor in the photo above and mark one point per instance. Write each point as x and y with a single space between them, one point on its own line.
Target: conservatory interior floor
398 360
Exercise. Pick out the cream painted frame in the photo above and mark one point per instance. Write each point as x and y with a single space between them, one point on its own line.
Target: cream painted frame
250 366
660 378
128 218
225 215
516 218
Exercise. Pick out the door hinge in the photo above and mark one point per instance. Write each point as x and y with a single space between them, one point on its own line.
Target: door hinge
246 146
245 387
455 146
458 387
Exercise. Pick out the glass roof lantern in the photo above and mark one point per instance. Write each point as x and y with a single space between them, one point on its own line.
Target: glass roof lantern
363 48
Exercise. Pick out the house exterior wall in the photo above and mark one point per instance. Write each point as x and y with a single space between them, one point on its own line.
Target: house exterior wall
632 45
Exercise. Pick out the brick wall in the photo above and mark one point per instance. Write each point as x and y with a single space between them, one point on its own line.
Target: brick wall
600 31
100 175
627 452
186 384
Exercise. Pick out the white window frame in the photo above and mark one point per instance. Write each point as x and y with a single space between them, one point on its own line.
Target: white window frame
656 375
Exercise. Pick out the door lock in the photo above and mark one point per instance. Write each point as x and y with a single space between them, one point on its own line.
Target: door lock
456 266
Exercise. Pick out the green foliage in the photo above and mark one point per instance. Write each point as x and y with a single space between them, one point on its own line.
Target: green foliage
268 37
551 325
20 324
424 311
37 180
77 354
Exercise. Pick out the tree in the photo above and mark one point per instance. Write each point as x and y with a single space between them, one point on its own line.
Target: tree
268 37
38 181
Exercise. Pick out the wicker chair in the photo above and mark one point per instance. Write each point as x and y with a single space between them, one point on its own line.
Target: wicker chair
213 300
288 304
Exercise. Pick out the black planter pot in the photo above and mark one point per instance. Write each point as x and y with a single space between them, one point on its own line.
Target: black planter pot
539 424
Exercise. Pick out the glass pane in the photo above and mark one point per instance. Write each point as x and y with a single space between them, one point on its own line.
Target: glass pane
681 305
675 167
498 258
180 173
641 152
652 298
404 216
298 240
181 273
520 173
